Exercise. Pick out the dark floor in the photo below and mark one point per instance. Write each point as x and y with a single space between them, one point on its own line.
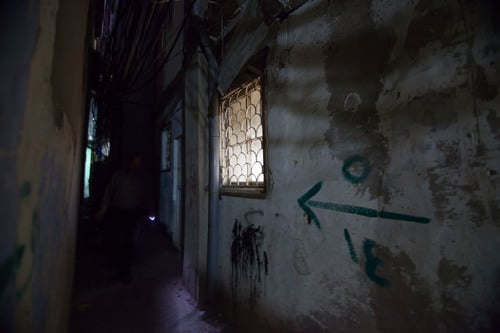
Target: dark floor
155 300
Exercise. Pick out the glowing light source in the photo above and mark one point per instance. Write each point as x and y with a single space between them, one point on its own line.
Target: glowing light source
152 218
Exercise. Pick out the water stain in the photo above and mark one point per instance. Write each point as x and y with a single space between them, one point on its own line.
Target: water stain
481 89
429 25
452 274
444 189
408 306
452 314
451 152
478 212
493 118
440 194
427 115
404 307
356 64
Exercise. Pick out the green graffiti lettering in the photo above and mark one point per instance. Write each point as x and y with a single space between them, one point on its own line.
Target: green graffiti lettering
372 262
352 251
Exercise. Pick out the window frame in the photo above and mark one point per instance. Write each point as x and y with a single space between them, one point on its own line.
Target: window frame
166 147
259 192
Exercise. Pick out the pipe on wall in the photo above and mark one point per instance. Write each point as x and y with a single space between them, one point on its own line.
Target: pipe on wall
213 205
213 220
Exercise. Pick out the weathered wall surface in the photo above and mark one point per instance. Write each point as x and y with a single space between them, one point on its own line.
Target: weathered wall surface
170 102
41 103
384 156
170 180
14 63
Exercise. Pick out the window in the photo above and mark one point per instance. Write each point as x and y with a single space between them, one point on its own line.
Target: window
166 148
243 169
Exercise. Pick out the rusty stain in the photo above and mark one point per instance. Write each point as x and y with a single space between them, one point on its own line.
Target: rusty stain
478 212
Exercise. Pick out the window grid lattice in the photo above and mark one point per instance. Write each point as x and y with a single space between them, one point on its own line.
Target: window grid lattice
242 158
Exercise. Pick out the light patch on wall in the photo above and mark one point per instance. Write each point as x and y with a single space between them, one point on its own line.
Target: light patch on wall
86 176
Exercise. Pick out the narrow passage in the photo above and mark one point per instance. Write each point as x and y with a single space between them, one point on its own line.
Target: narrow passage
154 301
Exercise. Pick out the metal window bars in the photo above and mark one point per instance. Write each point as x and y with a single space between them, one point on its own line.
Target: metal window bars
242 140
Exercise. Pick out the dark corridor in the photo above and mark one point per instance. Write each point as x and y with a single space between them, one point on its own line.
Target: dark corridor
154 301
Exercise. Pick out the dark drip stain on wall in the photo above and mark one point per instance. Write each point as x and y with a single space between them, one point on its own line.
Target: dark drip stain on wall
249 263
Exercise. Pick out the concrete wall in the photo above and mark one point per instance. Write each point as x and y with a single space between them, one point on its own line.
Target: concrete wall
41 104
171 181
170 100
376 107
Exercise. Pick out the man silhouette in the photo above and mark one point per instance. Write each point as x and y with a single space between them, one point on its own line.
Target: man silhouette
125 203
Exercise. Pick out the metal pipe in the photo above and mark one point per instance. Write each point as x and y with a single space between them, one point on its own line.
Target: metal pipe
213 220
213 168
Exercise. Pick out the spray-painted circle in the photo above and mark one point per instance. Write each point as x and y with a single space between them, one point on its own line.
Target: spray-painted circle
362 166
352 102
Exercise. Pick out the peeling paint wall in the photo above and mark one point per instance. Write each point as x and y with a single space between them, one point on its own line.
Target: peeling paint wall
42 112
384 158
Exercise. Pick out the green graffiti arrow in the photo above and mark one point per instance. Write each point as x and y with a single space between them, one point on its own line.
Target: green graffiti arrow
305 203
